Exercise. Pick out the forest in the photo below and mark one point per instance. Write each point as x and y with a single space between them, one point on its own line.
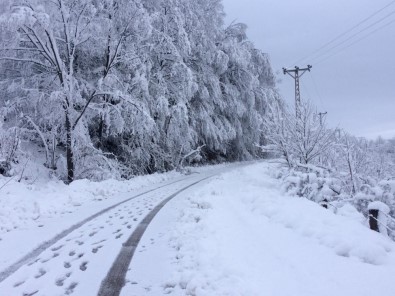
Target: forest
118 88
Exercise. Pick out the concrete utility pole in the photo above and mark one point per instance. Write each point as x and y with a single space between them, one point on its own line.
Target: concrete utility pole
321 115
296 74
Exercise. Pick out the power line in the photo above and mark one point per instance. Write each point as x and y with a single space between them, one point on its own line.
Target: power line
354 35
305 88
353 43
316 90
346 32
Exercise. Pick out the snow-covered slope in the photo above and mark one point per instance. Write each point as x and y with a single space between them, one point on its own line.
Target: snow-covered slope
240 235
23 205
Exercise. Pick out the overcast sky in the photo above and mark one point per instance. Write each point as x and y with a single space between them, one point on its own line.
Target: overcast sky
356 86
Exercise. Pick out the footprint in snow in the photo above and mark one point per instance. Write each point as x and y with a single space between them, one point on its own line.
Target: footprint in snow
33 262
92 233
70 289
83 265
45 260
95 250
57 248
17 284
30 293
96 243
41 272
60 281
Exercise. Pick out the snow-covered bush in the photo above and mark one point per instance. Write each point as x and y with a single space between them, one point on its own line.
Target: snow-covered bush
332 189
313 183
329 166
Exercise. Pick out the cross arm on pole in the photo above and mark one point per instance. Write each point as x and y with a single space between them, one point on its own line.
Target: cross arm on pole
297 70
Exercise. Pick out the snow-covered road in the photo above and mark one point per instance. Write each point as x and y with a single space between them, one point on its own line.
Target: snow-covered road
78 258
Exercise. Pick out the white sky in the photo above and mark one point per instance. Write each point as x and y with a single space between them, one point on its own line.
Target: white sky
357 86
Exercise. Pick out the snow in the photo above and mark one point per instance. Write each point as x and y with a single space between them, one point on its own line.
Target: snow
378 205
240 235
24 204
76 262
347 210
233 234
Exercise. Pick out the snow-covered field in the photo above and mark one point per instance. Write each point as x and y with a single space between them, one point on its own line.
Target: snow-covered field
236 233
240 235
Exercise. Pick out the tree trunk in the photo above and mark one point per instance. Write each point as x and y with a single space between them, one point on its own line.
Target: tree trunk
100 132
69 151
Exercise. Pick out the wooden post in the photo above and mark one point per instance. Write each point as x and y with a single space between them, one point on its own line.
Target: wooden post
378 212
373 220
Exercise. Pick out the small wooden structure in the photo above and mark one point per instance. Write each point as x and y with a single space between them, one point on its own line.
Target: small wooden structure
378 212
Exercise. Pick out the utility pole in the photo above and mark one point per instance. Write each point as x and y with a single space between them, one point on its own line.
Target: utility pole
296 74
321 115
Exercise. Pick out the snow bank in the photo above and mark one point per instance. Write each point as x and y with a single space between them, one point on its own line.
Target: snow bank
23 204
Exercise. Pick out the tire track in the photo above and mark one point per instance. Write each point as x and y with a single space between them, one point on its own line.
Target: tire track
115 278
4 274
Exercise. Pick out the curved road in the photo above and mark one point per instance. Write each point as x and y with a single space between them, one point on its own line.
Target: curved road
76 261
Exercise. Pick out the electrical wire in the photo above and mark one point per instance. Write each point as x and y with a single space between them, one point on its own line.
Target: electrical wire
345 33
353 43
317 90
355 35
304 87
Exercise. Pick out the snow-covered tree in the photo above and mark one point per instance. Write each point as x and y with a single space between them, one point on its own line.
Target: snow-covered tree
300 139
114 88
